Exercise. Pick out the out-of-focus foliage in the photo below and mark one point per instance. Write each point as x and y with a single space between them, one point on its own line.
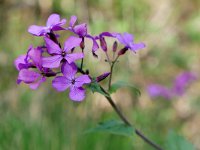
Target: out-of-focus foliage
45 119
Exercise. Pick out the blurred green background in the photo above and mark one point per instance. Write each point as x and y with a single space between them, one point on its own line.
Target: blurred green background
46 119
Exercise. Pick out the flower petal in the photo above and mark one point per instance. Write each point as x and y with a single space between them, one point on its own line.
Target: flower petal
95 45
73 57
28 76
52 47
53 20
36 56
76 94
36 84
69 70
72 21
61 83
83 79
128 37
36 30
52 61
81 29
135 47
72 42
19 60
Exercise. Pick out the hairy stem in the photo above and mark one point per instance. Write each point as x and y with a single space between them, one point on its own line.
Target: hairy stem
123 118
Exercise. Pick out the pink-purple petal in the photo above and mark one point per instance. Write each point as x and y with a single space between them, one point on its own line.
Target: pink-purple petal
81 29
81 80
137 46
61 83
53 20
69 70
72 42
19 60
36 30
73 57
36 84
52 47
28 76
72 21
77 94
52 61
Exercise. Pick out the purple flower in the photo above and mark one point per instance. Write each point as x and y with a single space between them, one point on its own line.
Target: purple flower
156 90
53 24
69 80
81 31
182 81
128 41
30 68
59 54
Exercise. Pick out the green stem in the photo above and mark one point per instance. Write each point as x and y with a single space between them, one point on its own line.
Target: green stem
82 60
123 118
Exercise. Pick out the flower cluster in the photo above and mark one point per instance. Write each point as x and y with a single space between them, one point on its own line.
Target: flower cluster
178 88
59 61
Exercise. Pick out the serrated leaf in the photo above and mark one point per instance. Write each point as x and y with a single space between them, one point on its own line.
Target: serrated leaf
95 87
113 127
120 84
177 142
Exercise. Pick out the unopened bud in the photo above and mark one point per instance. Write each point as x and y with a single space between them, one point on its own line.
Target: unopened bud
82 44
102 77
103 44
115 46
122 51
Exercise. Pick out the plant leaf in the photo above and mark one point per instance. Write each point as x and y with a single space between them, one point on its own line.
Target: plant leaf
113 127
121 84
95 87
177 142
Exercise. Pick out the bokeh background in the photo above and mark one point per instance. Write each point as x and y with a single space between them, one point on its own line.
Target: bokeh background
46 119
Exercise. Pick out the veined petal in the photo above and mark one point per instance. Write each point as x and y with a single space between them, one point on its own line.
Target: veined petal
36 55
72 42
121 38
76 94
83 79
72 21
53 20
52 47
128 37
36 30
73 57
28 76
36 84
52 61
61 83
69 70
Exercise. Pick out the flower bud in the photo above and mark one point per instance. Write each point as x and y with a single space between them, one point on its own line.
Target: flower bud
103 44
122 51
102 77
82 45
114 48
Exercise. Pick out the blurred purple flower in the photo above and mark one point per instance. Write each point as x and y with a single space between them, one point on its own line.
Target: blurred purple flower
178 88
53 24
156 90
69 80
182 81
81 31
58 54
128 41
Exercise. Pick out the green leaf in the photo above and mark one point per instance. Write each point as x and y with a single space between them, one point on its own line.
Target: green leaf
113 127
177 142
95 87
120 84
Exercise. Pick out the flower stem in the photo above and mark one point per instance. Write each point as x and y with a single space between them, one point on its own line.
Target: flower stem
82 59
123 118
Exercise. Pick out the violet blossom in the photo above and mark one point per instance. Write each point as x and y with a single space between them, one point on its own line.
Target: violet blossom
54 23
69 80
59 54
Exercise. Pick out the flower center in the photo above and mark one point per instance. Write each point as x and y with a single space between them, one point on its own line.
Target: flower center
63 54
73 81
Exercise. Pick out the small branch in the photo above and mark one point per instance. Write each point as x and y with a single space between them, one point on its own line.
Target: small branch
123 118
110 77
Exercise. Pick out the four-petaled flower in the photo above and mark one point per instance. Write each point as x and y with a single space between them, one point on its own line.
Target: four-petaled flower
59 54
53 24
69 80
